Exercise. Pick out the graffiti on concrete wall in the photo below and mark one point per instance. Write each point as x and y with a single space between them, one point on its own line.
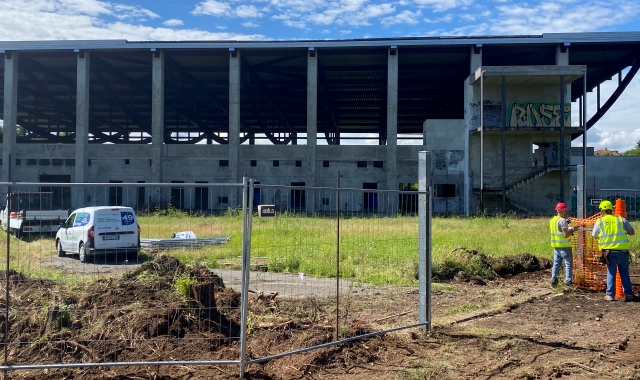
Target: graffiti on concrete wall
537 115
491 113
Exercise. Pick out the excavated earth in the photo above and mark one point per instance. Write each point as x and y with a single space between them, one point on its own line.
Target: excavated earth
511 327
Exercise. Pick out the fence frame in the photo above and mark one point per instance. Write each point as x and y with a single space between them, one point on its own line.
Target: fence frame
248 187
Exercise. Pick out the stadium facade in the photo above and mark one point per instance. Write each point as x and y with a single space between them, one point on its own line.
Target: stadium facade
495 111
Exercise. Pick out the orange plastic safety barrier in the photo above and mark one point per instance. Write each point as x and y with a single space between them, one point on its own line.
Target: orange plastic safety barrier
588 272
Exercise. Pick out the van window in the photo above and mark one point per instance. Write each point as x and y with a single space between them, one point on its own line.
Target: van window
82 219
69 222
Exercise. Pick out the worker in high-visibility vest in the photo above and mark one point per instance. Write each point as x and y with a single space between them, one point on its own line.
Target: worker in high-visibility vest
561 244
613 240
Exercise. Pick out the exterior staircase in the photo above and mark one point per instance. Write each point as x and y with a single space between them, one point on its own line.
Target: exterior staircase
529 178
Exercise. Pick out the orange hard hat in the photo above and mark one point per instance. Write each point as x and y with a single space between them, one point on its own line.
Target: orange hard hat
561 206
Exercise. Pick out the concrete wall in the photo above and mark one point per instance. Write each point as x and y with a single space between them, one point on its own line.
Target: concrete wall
208 163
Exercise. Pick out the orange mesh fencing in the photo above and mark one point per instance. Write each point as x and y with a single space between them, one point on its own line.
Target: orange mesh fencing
588 272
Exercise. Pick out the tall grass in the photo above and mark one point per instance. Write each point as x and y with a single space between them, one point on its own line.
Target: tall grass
373 250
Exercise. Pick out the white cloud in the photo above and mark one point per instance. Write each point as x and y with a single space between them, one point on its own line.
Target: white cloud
552 16
250 24
443 5
212 8
345 32
81 20
404 17
446 18
247 11
173 22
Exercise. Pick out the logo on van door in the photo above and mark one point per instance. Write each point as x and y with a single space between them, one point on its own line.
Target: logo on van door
127 218
82 219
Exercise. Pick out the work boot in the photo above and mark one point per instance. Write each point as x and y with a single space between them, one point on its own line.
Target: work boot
608 298
630 298
554 282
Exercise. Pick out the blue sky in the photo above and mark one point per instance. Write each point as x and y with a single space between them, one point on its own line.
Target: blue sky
328 19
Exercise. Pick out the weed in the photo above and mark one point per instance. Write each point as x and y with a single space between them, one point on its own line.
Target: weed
182 283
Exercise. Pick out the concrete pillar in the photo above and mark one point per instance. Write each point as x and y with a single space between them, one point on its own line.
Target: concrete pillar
392 127
157 124
234 122
312 126
476 63
562 55
476 58
562 59
10 112
82 126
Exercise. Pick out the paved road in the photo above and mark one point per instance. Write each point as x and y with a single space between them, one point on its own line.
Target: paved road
286 284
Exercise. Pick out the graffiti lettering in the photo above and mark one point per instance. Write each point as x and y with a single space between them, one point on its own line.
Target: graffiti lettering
45 147
537 115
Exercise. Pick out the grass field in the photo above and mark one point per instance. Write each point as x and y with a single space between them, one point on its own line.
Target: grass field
375 250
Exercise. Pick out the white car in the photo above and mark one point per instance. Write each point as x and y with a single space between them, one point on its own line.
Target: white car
99 230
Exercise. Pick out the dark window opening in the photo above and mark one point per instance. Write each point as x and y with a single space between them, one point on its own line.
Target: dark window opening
222 200
298 197
89 162
201 199
126 161
325 164
378 164
298 164
69 162
177 196
115 195
362 164
276 163
31 161
408 203
57 162
223 163
44 161
445 190
254 163
370 200
140 197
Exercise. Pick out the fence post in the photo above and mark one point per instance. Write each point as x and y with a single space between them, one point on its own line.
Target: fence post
581 199
246 241
424 237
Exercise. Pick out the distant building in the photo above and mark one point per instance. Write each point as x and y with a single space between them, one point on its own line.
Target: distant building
606 152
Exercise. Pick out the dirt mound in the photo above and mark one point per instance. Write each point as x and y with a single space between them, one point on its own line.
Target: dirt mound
122 319
465 265
516 264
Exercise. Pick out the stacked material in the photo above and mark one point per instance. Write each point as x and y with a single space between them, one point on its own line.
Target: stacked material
183 243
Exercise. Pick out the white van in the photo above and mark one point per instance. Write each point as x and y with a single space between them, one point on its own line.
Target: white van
99 230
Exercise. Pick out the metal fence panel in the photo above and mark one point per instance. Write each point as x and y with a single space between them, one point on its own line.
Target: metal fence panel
333 275
121 306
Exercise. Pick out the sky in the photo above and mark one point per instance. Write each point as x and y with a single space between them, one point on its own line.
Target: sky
183 20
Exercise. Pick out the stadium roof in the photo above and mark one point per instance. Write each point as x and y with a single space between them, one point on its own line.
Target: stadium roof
352 82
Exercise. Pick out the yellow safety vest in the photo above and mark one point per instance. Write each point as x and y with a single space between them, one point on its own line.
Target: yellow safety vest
557 237
611 233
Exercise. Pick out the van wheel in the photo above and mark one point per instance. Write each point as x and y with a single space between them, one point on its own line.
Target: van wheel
83 254
61 253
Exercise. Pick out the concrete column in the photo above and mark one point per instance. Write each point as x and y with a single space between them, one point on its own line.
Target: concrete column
10 112
476 63
476 58
157 125
312 126
392 127
82 126
562 59
234 122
